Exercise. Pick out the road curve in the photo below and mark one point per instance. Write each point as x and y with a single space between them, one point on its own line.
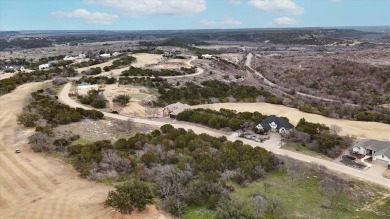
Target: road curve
359 174
117 72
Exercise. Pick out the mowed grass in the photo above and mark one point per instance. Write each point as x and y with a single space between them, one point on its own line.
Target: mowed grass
139 96
303 199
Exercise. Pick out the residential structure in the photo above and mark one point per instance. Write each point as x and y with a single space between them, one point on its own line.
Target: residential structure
174 109
207 56
275 124
43 66
13 68
84 88
105 55
172 53
378 150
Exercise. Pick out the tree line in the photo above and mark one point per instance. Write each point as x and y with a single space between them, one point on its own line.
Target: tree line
9 84
184 169
319 138
223 118
43 108
133 71
208 91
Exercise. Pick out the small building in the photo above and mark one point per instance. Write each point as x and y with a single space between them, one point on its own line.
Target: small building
275 124
69 58
84 88
207 56
116 54
13 68
378 150
174 109
43 66
52 63
73 58
172 53
105 55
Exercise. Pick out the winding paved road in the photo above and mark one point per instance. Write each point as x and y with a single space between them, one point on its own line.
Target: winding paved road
362 175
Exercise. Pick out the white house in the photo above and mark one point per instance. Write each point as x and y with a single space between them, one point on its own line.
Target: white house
84 88
378 150
105 55
69 58
14 68
43 66
116 54
207 56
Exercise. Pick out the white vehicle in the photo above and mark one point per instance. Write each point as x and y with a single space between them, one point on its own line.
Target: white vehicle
17 151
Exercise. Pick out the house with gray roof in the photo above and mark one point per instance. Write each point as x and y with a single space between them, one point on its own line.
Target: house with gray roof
275 124
378 150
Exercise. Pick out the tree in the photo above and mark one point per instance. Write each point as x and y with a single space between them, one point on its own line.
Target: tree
332 187
335 130
133 194
98 103
121 99
27 119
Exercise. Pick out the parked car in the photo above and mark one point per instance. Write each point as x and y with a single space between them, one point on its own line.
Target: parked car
17 151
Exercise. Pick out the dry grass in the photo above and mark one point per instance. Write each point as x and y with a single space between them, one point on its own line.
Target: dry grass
359 129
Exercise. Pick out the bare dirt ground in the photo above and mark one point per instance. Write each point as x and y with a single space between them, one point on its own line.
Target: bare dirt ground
34 185
97 130
144 59
232 57
6 75
387 173
137 94
386 105
359 129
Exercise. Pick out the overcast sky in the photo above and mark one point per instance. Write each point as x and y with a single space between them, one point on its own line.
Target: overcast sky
189 14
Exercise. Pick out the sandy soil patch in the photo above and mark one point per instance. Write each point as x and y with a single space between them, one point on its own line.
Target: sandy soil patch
359 129
6 75
34 185
137 94
144 59
387 173
387 106
232 57
97 130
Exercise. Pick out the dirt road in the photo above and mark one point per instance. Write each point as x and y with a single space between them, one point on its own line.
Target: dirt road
34 185
362 175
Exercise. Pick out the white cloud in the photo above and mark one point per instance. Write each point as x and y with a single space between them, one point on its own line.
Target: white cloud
235 2
285 21
283 6
225 22
87 16
154 7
